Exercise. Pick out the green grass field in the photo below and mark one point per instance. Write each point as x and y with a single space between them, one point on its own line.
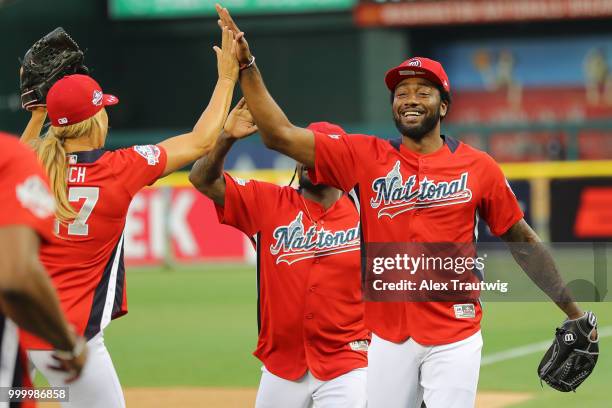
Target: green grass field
196 326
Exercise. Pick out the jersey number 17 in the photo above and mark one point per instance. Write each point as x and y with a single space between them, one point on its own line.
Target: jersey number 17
79 225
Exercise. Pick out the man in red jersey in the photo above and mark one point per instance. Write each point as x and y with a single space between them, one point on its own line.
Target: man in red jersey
425 188
312 340
27 297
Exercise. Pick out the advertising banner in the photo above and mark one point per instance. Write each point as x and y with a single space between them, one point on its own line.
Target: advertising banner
581 210
180 224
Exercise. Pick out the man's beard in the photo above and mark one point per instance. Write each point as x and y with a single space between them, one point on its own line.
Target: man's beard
306 184
417 132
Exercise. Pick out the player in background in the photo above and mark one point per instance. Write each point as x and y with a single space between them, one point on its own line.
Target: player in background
93 189
312 340
27 298
419 350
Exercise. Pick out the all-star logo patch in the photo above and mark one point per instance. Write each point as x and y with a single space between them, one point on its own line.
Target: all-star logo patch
293 243
149 152
393 195
34 195
97 98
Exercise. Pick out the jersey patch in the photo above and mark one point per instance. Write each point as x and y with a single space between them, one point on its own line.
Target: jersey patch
294 244
34 195
465 311
359 345
240 182
150 152
394 196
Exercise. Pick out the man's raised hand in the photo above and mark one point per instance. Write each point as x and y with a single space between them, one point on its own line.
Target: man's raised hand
243 51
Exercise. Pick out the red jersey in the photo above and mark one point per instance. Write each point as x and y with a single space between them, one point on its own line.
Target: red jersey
310 313
85 258
26 201
452 187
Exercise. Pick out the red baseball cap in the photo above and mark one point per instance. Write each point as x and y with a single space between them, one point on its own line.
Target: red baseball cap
418 67
75 98
327 128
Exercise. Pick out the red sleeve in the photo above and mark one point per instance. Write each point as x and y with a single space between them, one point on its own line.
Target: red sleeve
247 202
24 191
337 159
138 166
498 206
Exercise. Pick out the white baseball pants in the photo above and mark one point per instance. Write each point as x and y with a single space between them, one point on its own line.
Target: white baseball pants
406 374
345 391
98 386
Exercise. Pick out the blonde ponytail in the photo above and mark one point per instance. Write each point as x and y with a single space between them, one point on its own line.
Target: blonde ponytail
52 154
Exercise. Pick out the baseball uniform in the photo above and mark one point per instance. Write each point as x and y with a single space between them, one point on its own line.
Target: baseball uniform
26 201
312 340
85 262
405 196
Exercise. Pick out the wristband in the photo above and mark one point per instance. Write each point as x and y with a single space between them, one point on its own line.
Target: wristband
249 65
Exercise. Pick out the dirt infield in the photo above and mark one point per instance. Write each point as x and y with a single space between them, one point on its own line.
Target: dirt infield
244 397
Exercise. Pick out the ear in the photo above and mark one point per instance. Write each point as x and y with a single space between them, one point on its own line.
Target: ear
443 108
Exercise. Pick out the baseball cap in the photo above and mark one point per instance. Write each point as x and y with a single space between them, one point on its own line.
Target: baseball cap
418 67
75 98
327 128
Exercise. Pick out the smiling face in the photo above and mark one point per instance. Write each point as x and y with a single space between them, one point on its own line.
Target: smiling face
417 107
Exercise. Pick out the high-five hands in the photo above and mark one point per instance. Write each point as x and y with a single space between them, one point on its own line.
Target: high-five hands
227 63
243 52
240 123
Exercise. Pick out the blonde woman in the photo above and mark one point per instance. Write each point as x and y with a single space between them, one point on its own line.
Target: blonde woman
93 189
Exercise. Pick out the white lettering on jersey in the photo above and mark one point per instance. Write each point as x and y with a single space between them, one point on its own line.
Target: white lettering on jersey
76 174
294 244
395 196
149 152
34 195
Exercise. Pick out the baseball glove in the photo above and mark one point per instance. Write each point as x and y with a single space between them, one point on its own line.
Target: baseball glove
48 60
573 354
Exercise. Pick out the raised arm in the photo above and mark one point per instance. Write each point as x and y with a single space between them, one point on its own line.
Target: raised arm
537 262
277 132
32 131
28 298
185 149
207 173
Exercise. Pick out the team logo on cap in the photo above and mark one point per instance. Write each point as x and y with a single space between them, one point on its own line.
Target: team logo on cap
394 195
414 63
97 98
294 243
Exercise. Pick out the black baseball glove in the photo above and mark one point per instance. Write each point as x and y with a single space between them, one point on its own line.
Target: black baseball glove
48 60
573 354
